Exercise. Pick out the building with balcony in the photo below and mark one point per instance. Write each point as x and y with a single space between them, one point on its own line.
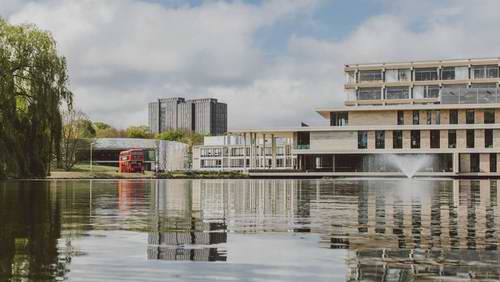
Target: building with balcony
447 111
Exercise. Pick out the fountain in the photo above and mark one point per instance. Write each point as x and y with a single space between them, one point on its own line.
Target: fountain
409 164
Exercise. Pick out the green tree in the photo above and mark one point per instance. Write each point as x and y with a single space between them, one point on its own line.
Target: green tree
77 130
101 125
33 86
138 132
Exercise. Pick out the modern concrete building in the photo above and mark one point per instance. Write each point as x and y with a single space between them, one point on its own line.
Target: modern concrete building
443 115
204 116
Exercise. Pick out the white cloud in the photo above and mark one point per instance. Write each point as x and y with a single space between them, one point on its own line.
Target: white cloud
124 53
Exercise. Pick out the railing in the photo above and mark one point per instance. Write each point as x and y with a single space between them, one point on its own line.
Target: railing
470 95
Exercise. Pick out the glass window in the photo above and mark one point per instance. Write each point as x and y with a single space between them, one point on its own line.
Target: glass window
435 139
362 139
391 75
426 74
397 93
350 77
470 138
452 138
489 116
493 162
488 138
474 162
369 93
416 117
453 117
404 74
448 73
469 116
461 73
401 118
370 75
397 139
429 117
482 72
379 139
431 91
437 117
415 139
339 118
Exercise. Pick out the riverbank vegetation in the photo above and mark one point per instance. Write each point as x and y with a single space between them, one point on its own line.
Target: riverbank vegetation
85 171
33 87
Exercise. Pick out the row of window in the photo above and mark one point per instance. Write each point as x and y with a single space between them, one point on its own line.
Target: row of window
424 74
423 91
423 117
435 139
240 163
435 115
239 152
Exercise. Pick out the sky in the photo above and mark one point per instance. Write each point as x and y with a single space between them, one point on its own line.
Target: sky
273 62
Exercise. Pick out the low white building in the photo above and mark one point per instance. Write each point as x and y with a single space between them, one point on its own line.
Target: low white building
239 153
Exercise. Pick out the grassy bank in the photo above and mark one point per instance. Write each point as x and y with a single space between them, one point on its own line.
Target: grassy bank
83 171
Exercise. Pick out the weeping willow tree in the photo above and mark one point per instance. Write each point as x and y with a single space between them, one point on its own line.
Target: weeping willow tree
33 87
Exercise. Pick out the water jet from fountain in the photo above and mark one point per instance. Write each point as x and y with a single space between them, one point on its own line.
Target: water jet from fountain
409 165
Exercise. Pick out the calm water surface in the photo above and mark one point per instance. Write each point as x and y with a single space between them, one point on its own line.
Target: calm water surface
253 230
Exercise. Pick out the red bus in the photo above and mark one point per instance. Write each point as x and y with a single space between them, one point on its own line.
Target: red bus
132 161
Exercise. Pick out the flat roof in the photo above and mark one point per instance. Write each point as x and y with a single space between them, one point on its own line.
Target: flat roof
425 62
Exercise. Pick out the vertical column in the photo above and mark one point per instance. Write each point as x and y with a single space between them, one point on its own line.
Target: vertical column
263 162
254 150
251 150
273 149
333 163
484 163
455 163
223 148
443 139
244 151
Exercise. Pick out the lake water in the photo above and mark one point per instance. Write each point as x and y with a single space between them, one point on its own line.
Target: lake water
249 230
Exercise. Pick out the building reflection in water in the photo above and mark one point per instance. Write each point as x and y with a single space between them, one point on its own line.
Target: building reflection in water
192 218
447 229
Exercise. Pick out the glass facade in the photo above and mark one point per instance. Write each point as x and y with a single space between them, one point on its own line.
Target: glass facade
416 117
435 139
362 139
470 138
339 118
453 117
415 139
397 139
452 139
379 139
488 138
426 74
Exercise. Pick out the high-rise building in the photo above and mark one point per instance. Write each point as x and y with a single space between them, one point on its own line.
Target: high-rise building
204 116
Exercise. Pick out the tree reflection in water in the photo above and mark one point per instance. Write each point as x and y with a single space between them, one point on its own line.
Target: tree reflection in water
30 226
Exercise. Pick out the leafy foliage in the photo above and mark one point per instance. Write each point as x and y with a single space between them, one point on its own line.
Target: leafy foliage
33 87
138 132
104 130
184 136
77 129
